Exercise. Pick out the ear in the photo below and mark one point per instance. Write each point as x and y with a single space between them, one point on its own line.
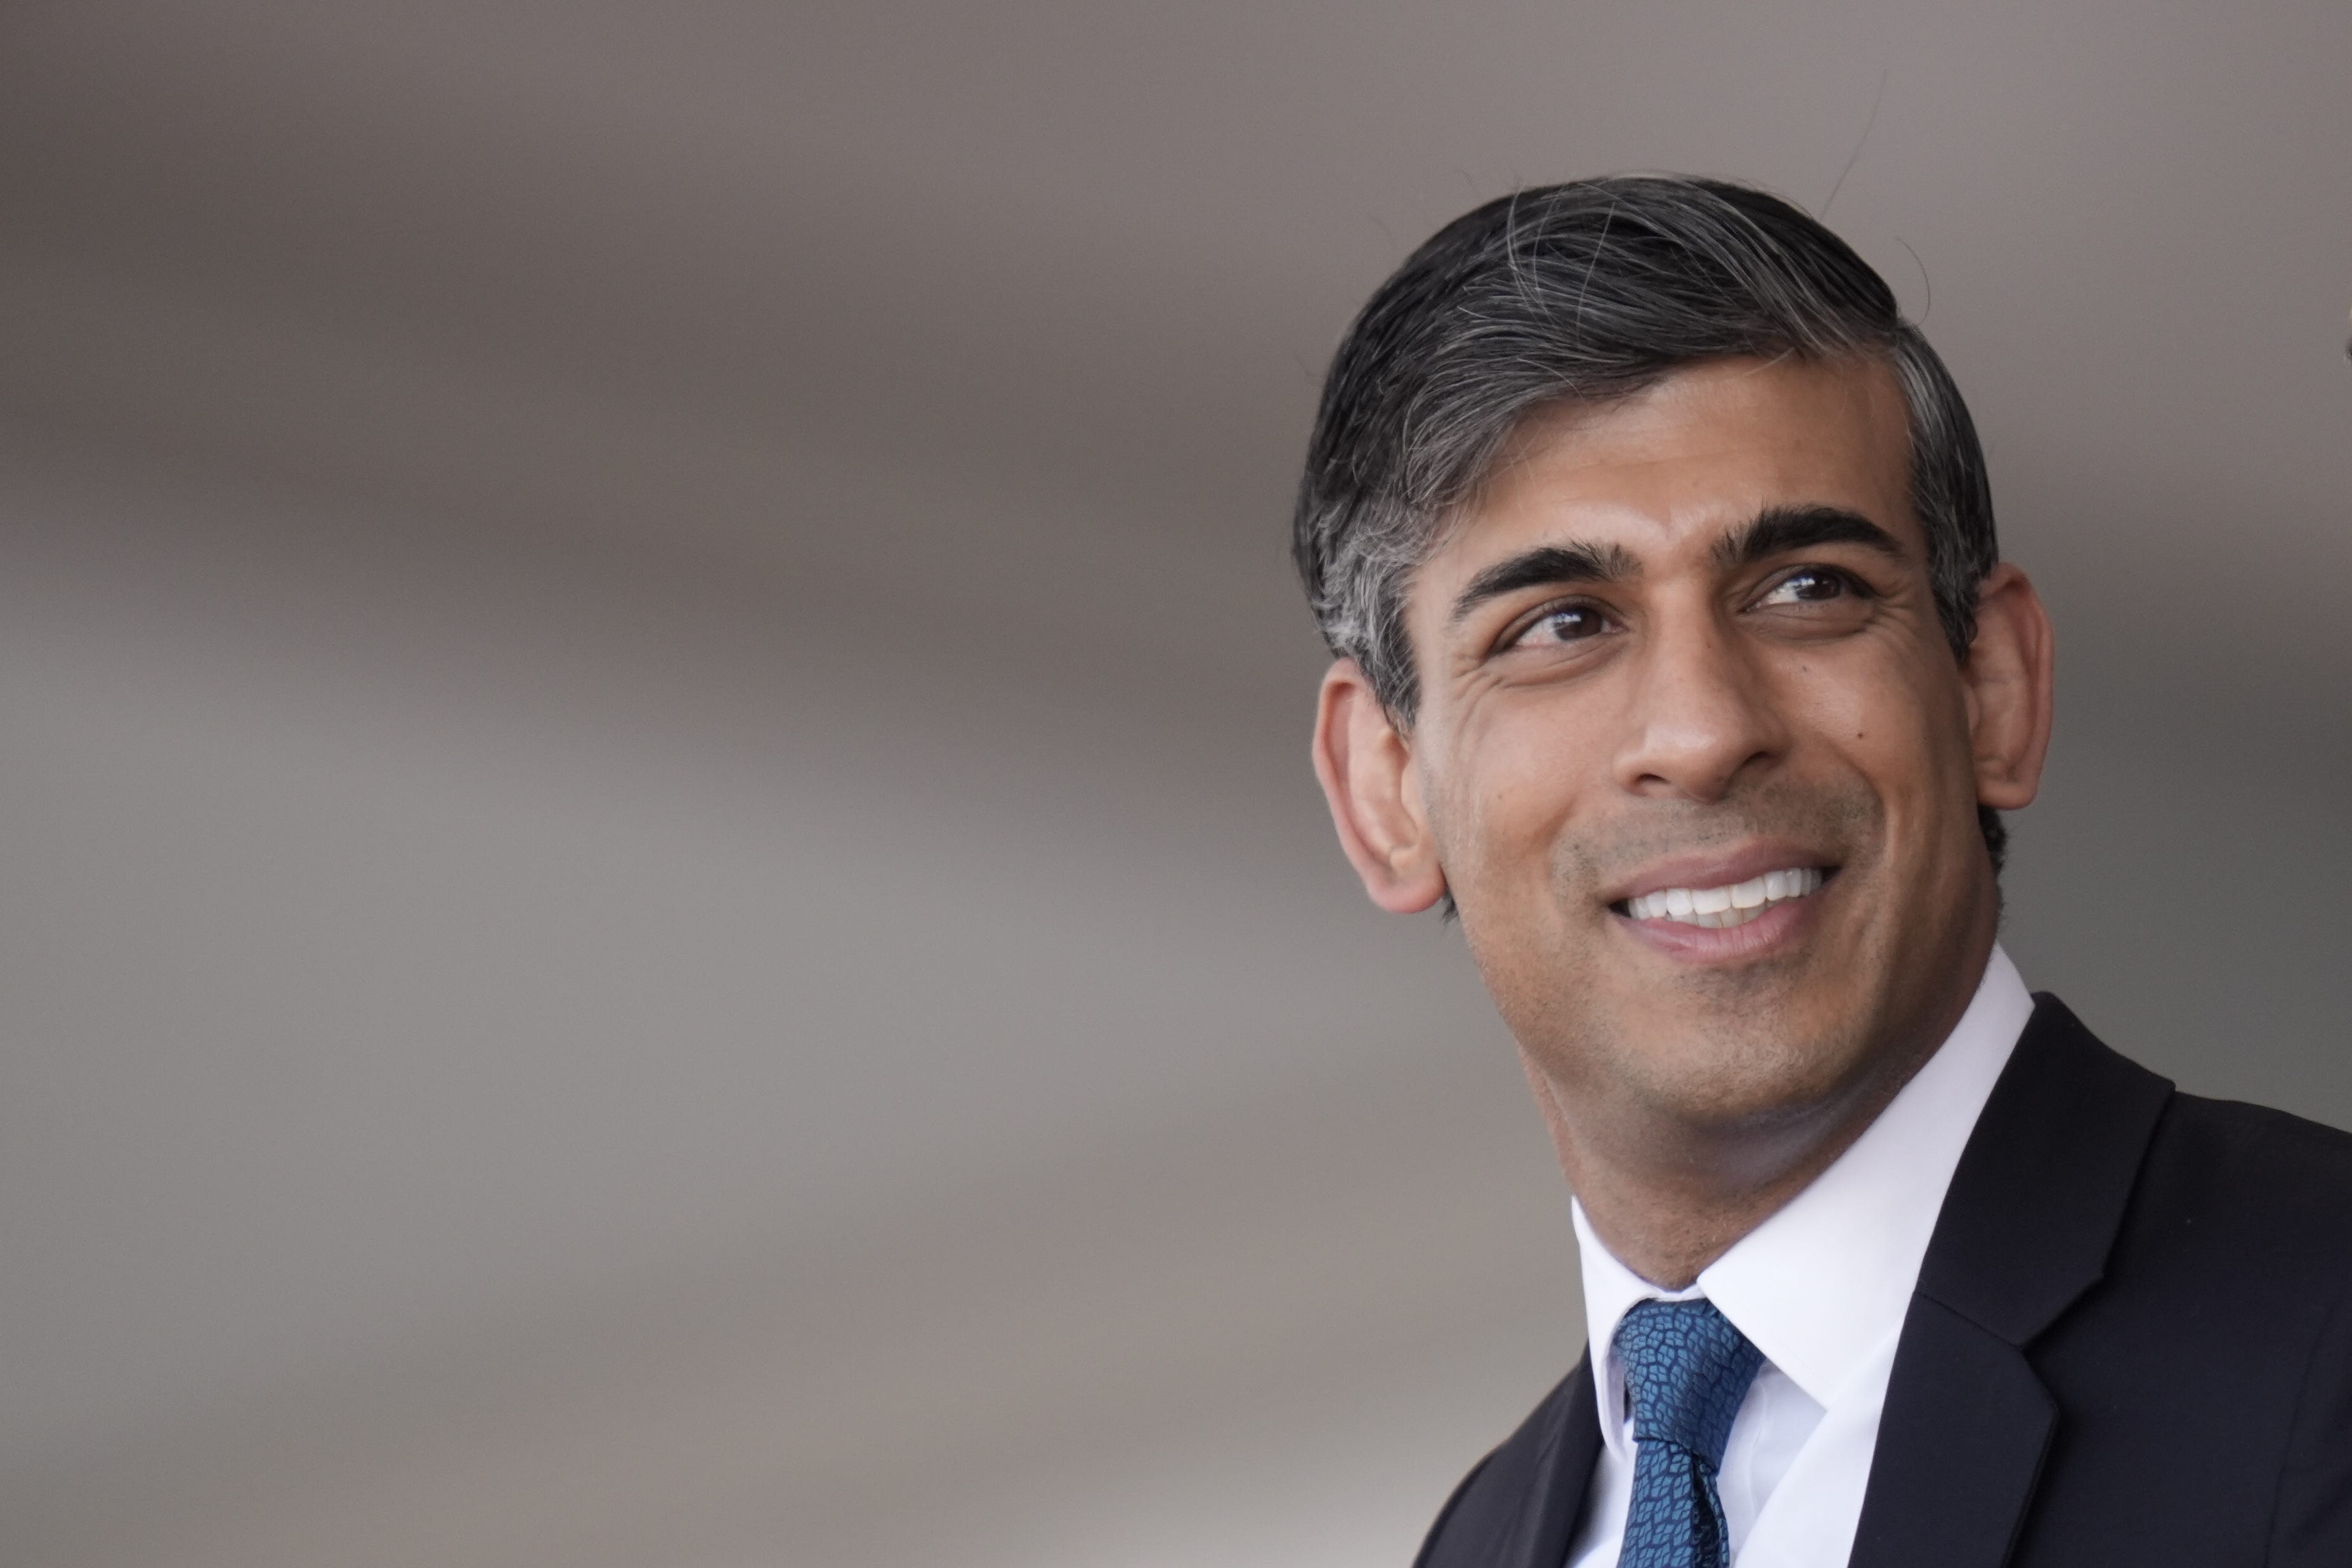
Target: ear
2010 677
1365 765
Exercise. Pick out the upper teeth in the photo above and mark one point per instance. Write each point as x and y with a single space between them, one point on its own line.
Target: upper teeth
1731 906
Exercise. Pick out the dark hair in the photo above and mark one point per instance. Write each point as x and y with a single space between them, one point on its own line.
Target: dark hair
1586 292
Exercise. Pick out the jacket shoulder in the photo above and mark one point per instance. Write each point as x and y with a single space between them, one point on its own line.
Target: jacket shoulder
2206 1376
2264 1172
1520 1503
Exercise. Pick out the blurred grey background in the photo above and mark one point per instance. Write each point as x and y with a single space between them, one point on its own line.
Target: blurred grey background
663 904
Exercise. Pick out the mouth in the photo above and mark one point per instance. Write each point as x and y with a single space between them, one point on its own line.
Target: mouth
1725 905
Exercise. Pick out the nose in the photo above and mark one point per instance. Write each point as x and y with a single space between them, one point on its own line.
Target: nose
1702 714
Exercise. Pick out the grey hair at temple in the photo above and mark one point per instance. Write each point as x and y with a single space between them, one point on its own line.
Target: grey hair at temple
1587 293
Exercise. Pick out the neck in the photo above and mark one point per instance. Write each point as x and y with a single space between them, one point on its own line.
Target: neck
1669 1195
1669 1215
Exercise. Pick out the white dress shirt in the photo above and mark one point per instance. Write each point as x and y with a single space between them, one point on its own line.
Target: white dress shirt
1821 1288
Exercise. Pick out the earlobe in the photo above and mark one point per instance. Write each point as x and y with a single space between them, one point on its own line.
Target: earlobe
2012 686
1365 765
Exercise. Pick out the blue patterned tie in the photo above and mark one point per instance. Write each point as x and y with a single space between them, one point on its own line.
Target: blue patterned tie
1686 1369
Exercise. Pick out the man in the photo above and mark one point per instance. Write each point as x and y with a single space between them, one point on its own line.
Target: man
1674 655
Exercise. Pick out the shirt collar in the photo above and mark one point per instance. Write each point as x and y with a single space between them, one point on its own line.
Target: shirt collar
1822 1282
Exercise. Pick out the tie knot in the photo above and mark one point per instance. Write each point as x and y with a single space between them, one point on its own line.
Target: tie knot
1687 1369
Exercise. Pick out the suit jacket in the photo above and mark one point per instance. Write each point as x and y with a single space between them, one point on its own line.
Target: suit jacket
2130 1344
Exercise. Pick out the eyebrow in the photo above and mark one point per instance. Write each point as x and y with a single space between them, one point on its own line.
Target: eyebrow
1778 529
1549 565
1775 531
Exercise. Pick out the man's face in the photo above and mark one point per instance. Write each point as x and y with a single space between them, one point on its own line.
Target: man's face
1694 754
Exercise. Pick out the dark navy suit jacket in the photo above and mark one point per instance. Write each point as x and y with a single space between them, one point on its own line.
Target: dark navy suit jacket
2131 1344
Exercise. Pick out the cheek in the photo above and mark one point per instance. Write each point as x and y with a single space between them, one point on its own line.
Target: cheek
1903 728
1512 776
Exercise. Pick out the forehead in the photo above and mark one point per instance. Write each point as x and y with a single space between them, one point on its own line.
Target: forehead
1664 473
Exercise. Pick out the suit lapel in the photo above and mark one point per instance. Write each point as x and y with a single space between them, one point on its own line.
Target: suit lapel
2033 1210
1563 1476
1959 1446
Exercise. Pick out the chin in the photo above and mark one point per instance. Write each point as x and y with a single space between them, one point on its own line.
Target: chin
1718 1070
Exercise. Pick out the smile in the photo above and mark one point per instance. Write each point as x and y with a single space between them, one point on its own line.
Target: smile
1734 905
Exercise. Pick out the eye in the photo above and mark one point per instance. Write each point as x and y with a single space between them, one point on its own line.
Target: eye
1556 623
1812 586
